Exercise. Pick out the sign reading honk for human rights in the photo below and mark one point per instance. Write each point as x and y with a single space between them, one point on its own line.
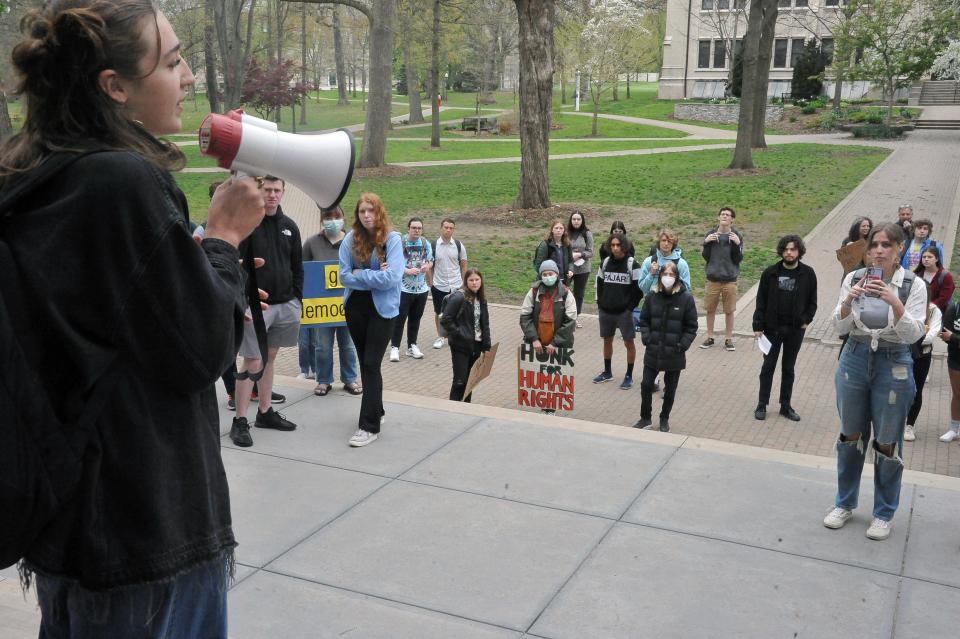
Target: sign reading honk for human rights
322 295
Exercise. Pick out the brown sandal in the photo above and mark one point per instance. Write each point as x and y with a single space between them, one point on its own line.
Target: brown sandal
321 390
353 388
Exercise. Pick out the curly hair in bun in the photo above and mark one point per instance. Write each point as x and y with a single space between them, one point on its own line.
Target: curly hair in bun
66 45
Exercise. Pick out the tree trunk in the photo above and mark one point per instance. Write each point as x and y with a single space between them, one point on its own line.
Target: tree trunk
413 77
338 55
377 125
303 60
234 51
6 125
616 87
210 58
628 85
435 78
488 79
536 21
563 84
742 154
838 87
759 140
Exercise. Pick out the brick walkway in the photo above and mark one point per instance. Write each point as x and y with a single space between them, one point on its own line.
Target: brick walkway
717 392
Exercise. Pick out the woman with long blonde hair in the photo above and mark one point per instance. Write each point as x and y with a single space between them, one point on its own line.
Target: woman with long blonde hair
371 267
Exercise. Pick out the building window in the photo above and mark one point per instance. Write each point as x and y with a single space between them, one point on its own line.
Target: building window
826 46
831 3
706 5
858 56
720 54
800 3
739 4
703 59
737 48
780 53
783 4
796 50
723 5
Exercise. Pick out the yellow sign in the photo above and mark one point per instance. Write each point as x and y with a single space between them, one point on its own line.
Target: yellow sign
318 311
331 276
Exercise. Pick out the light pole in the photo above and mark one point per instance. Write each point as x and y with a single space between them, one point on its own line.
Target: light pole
576 96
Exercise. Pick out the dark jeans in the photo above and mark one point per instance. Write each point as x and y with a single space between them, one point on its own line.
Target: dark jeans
670 381
370 334
463 358
791 339
411 310
579 288
921 367
193 604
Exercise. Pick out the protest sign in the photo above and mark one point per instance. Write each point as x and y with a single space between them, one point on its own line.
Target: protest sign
545 381
851 255
322 295
481 369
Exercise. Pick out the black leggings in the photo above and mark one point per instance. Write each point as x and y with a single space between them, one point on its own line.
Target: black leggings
579 288
463 358
921 366
670 381
370 334
412 306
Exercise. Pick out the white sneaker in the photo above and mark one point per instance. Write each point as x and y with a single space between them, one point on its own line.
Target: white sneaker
878 530
909 434
438 343
362 438
302 376
949 436
837 517
394 354
414 352
311 376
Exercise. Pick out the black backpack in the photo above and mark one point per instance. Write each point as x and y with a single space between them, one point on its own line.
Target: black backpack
41 458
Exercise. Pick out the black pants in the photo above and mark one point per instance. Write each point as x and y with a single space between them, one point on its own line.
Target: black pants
579 288
791 339
370 334
670 381
463 358
921 367
229 378
411 311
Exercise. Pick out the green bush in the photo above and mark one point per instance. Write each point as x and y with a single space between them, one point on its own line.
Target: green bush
828 120
902 100
818 103
808 110
793 118
877 132
856 116
875 117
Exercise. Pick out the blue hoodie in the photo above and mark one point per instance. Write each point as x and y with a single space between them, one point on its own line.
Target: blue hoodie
647 279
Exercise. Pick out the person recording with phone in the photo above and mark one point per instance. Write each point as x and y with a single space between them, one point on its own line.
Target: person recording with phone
883 309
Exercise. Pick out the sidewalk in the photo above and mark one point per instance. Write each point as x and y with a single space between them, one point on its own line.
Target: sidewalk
470 521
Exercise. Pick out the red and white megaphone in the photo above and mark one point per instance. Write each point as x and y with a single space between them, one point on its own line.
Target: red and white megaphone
319 165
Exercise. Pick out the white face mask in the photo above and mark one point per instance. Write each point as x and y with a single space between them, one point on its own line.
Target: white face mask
332 227
549 280
667 281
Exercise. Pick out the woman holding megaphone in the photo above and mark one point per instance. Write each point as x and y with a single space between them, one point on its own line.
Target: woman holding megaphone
371 267
131 321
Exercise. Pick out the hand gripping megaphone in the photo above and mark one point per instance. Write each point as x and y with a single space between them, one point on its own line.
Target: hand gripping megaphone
319 165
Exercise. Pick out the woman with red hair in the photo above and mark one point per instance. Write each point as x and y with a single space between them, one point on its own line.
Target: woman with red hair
371 267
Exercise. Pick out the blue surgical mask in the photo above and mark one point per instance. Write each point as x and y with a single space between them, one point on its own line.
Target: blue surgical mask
549 280
332 227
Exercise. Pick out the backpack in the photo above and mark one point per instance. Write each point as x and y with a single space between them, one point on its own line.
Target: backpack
41 458
903 292
455 241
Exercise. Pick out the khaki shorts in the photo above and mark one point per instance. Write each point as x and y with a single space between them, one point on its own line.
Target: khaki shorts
714 291
283 328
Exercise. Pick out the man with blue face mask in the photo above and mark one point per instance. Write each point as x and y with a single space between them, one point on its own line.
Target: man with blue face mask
323 247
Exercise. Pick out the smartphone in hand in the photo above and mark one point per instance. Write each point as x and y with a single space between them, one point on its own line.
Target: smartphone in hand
874 273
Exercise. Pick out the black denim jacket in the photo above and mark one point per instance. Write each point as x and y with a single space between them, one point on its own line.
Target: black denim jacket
118 287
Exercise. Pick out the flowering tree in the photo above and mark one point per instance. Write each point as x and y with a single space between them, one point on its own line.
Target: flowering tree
607 38
947 64
266 89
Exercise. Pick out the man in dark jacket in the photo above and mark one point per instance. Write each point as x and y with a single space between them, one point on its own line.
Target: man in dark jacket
722 253
618 293
786 304
277 241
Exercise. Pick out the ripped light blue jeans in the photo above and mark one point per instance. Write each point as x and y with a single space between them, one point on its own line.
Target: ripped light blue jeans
874 392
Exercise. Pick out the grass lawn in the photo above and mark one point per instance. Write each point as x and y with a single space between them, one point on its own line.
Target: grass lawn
802 184
571 126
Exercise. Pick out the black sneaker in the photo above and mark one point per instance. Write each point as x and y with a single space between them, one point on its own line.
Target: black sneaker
277 398
240 432
273 419
664 425
644 423
789 413
761 412
231 404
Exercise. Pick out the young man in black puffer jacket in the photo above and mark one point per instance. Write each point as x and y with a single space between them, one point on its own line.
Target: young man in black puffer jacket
618 293
668 326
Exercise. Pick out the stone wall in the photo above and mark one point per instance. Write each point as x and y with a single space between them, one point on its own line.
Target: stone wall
720 113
